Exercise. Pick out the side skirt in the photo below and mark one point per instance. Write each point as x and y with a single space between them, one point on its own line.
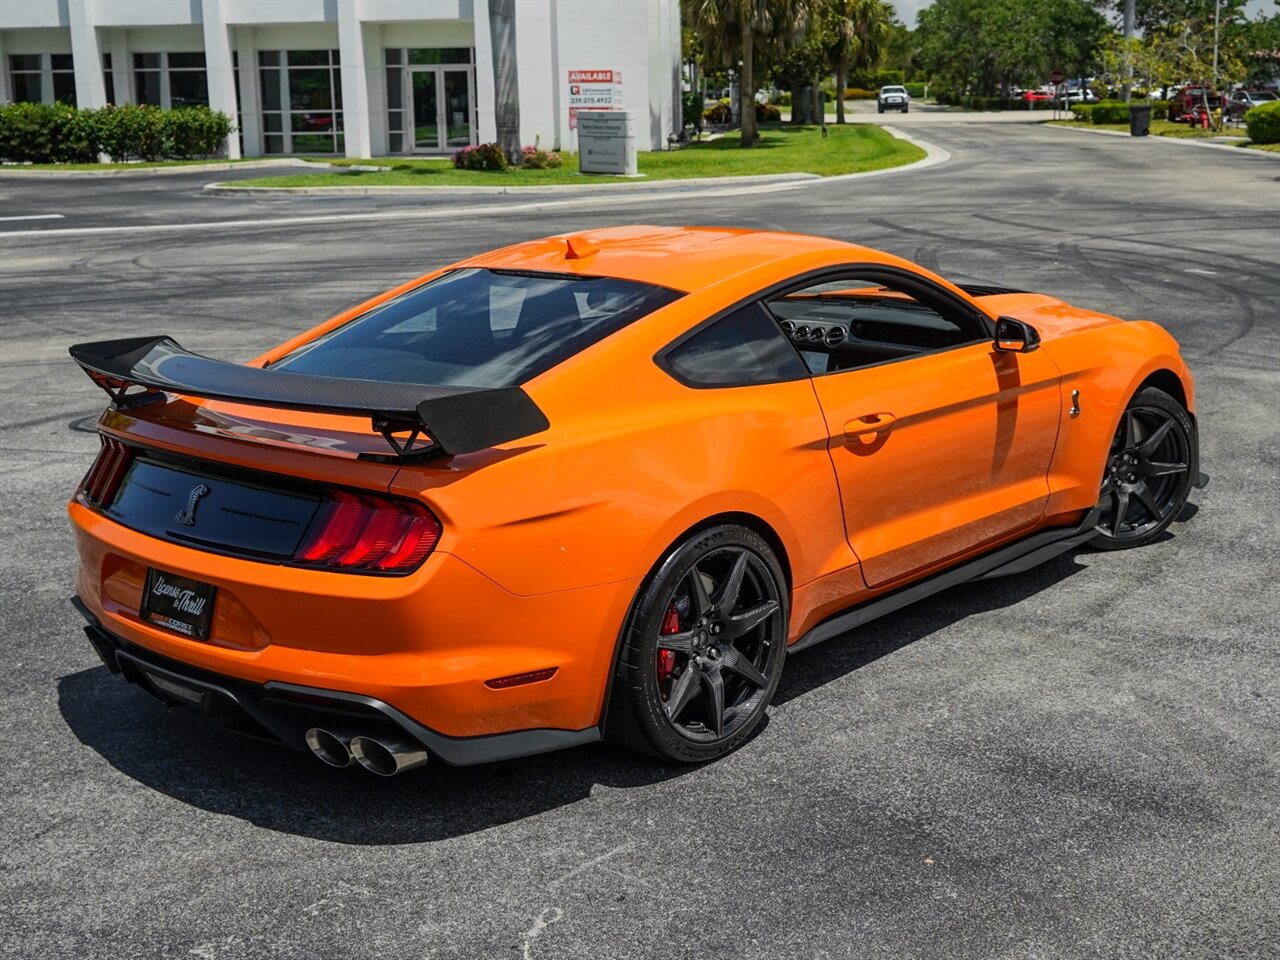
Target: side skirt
1012 558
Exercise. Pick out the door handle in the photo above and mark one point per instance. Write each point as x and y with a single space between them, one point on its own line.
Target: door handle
855 430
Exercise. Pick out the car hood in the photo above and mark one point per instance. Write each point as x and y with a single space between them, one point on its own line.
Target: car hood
1050 316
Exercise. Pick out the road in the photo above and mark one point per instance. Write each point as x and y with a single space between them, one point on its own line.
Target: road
1080 761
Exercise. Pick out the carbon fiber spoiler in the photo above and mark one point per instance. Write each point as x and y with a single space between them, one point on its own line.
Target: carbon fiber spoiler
454 419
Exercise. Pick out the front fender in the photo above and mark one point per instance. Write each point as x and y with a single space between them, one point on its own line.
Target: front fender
1102 368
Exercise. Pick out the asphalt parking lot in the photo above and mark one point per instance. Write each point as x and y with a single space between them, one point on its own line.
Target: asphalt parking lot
1081 761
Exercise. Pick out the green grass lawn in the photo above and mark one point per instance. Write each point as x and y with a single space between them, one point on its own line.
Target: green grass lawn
1159 128
1269 147
847 149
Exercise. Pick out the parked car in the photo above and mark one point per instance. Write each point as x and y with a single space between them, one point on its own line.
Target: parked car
1242 101
1077 95
1187 104
599 484
1035 96
893 98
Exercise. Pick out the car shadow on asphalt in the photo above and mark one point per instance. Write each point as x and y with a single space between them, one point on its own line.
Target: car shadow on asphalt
177 752
846 653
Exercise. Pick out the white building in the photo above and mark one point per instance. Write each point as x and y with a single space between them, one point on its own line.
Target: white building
364 78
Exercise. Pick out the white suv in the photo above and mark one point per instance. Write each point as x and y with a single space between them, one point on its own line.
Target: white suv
893 98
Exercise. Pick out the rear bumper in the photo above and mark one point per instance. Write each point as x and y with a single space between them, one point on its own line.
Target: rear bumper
283 712
423 644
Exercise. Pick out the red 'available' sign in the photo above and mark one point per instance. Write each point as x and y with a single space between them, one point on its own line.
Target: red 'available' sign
591 76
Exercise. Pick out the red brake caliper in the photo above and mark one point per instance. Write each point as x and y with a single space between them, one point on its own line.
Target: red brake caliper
667 658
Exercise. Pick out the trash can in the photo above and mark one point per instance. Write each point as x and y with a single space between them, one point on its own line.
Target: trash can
1139 119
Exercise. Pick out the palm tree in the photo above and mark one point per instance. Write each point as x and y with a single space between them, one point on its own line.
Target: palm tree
859 32
506 81
736 30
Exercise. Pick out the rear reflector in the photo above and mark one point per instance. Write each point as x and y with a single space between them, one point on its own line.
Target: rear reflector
103 479
363 532
516 679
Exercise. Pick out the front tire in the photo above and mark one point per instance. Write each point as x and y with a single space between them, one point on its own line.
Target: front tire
703 650
1150 469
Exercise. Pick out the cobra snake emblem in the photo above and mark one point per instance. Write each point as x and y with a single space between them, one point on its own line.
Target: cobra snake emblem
188 516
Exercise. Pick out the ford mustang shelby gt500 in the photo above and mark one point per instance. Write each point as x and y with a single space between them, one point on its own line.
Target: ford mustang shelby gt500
600 485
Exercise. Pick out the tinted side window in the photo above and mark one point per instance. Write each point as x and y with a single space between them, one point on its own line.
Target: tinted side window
744 347
850 323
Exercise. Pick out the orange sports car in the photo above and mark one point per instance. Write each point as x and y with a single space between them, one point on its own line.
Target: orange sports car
600 485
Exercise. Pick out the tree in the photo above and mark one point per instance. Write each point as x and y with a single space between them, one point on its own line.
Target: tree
987 46
506 81
855 35
739 30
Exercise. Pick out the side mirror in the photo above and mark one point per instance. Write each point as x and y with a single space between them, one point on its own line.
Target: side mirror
1014 336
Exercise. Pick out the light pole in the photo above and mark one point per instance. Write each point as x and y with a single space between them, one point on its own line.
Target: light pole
1128 52
1217 6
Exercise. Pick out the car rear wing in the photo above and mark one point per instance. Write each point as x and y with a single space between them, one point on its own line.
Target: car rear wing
438 420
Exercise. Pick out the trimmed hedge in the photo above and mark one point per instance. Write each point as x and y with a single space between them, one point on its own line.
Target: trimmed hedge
721 113
1263 123
59 133
1115 111
860 93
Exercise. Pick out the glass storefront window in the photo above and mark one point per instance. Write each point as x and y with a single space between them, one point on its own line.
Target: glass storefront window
171 79
310 89
26 87
64 87
188 88
440 55
147 87
305 85
42 78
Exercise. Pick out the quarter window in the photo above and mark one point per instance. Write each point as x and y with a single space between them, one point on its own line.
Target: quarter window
744 347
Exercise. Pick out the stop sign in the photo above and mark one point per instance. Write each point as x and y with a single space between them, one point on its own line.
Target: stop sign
1055 77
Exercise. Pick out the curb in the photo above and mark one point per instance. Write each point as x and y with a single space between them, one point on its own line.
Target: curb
723 187
550 190
1193 141
20 173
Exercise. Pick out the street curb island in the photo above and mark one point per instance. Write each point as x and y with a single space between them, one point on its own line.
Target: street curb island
933 156
1194 141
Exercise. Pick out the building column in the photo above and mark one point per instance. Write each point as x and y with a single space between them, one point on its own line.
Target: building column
221 75
376 78
355 82
250 94
5 95
86 55
486 95
122 67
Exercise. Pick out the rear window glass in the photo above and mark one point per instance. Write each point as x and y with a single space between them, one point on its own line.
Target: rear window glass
478 328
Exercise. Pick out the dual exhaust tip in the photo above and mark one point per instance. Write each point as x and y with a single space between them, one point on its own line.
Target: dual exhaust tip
384 755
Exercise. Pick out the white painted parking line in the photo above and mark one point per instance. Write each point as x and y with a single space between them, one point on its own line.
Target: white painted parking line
34 216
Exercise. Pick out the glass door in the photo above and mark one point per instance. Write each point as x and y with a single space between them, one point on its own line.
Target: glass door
424 94
457 107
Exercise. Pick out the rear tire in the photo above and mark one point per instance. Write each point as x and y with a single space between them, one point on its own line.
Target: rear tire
703 649
1150 468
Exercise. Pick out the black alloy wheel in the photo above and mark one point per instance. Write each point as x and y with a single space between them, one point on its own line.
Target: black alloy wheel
1149 471
704 649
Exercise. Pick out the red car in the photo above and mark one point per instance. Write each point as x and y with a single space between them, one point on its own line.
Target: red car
1035 96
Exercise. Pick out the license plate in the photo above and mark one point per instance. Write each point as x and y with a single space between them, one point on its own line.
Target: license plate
178 604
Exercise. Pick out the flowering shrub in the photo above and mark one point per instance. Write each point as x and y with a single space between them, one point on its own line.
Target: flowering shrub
535 158
484 156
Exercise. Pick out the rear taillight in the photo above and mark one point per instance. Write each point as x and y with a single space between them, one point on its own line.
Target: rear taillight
103 479
362 532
